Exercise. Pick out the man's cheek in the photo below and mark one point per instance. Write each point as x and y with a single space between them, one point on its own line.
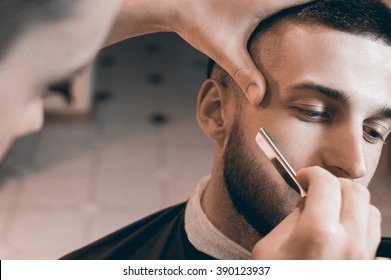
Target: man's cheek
366 180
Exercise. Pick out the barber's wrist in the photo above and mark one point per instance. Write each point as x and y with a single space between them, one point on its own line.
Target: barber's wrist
139 17
166 15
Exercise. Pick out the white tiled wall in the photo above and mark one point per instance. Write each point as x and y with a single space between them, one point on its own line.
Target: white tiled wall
72 183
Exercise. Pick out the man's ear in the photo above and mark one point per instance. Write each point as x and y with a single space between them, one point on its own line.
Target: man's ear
211 115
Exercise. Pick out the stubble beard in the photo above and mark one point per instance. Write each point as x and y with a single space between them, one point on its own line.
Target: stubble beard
254 193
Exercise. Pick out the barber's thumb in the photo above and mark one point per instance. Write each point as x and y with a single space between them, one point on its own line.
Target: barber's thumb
248 77
270 244
286 226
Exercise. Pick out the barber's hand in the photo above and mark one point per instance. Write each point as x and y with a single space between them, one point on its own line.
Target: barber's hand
218 28
336 221
221 29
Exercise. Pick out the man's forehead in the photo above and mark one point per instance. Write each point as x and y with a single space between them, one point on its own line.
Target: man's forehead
351 63
276 39
270 45
291 37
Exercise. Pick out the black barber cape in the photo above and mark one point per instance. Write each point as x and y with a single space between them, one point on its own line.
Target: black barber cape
160 236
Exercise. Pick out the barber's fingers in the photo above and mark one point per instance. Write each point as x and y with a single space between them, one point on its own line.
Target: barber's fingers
360 219
335 221
238 62
324 197
339 207
374 230
242 69
355 208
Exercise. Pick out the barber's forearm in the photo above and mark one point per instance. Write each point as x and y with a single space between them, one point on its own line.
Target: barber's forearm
139 17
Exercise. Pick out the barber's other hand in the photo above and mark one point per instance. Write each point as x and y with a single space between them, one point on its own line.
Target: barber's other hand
336 221
218 28
221 29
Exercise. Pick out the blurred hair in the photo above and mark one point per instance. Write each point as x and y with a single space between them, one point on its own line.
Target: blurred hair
18 16
368 18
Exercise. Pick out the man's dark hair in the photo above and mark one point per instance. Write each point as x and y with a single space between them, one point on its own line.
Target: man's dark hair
17 16
368 18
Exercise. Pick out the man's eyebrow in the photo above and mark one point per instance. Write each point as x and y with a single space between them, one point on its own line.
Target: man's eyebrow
385 112
334 94
337 95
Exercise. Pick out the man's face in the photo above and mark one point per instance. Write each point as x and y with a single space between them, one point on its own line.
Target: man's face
46 54
328 104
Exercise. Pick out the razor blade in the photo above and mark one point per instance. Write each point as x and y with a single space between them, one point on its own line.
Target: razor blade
279 161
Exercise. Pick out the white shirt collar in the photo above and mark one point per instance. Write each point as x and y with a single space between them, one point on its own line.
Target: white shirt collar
203 235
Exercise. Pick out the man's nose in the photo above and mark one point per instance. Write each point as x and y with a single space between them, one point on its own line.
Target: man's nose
345 155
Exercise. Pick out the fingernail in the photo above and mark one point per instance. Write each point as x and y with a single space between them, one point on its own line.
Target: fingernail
253 94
